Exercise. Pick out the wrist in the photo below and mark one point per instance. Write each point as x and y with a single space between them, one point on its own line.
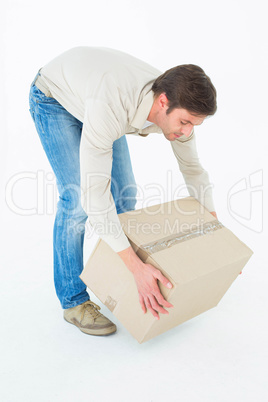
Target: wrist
131 260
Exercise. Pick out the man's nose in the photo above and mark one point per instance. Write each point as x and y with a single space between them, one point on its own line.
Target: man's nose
187 131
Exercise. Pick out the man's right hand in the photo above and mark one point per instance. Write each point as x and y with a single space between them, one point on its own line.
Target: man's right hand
146 276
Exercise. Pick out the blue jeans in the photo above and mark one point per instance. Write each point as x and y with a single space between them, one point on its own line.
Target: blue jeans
60 134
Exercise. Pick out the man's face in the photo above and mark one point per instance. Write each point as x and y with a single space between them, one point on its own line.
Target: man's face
177 123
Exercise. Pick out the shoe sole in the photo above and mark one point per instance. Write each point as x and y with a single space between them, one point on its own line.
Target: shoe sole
97 332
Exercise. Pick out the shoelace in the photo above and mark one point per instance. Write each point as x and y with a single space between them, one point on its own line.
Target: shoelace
92 308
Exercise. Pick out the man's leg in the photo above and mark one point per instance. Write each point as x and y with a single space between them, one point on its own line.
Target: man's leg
60 134
123 184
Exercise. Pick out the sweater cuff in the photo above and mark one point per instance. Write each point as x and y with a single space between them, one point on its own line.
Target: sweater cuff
209 204
118 243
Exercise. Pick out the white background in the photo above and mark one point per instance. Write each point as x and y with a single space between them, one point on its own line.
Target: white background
222 354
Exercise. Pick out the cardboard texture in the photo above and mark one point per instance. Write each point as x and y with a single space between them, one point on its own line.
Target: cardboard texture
194 251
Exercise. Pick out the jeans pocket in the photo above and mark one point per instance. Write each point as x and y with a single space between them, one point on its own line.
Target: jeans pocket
46 99
49 107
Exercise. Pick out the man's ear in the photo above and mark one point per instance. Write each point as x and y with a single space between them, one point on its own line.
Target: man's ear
163 100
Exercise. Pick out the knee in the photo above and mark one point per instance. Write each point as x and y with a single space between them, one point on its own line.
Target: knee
70 202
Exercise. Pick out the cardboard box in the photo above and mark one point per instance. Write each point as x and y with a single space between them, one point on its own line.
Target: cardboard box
194 251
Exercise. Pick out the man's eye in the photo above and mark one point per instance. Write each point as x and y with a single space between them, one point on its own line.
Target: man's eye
183 123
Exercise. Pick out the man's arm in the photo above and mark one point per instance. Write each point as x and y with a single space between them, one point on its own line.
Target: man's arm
100 130
195 176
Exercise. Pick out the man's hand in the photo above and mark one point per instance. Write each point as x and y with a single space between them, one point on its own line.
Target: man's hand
149 293
146 276
214 214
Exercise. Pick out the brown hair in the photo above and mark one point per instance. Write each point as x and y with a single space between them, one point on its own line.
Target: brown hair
187 87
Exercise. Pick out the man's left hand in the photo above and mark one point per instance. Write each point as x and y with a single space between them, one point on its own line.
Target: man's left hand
214 214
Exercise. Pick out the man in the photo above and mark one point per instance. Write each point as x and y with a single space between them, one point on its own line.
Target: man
83 103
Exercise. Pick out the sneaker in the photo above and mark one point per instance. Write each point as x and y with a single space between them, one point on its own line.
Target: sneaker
88 319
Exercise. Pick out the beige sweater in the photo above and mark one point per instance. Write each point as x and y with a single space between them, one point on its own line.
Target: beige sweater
110 92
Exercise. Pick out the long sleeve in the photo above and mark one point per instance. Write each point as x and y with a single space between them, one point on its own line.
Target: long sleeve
195 176
100 129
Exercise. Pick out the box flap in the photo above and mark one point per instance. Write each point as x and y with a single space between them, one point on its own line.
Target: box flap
150 224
